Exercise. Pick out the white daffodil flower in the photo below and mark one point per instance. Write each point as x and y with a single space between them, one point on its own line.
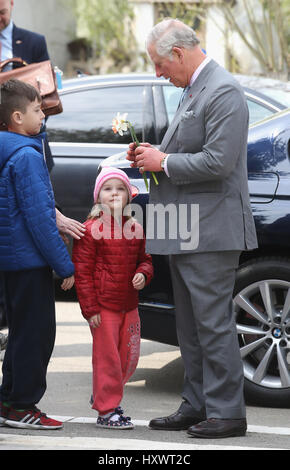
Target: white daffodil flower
120 123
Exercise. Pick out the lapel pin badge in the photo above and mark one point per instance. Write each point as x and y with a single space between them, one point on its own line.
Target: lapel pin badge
18 41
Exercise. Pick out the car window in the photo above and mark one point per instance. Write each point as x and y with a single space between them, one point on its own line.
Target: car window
87 115
172 96
257 112
282 96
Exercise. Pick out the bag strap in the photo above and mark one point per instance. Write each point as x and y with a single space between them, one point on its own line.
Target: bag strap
15 60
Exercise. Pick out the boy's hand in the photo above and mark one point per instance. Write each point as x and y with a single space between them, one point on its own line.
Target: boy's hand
139 281
95 321
68 283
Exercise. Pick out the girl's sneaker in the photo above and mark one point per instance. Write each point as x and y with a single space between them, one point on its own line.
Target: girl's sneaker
115 420
31 419
4 411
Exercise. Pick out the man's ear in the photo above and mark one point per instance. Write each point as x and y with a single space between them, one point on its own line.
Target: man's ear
179 53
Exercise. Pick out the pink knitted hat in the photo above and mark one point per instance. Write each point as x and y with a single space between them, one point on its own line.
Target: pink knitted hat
108 173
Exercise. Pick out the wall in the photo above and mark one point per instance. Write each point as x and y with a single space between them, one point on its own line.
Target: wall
50 18
215 38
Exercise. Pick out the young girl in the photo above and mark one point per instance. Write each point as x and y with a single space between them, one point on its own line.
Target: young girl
111 266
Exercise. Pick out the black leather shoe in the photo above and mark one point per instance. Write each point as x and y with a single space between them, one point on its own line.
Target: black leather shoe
214 428
175 422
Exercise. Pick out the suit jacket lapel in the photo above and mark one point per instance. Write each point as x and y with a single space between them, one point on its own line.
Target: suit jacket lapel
174 123
17 42
196 89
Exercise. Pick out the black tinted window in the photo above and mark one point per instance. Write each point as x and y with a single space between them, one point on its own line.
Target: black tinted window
87 115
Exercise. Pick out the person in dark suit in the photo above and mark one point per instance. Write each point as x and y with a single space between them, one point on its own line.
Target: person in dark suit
18 42
28 45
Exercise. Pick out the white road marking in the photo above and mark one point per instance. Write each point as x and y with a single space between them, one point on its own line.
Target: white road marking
119 441
22 442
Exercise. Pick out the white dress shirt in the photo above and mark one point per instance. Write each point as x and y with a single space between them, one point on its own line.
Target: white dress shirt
6 44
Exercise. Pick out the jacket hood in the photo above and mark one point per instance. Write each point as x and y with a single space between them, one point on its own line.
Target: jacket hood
11 142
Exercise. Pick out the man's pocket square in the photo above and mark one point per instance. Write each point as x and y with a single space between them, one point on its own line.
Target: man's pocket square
188 115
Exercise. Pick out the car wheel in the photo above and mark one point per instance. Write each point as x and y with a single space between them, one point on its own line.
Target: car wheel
262 308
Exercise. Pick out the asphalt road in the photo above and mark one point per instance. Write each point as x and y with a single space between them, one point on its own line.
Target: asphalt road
153 390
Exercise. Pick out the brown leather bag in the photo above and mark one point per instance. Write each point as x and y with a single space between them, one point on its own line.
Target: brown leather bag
42 76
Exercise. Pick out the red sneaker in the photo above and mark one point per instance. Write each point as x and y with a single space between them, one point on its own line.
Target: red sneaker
31 419
4 411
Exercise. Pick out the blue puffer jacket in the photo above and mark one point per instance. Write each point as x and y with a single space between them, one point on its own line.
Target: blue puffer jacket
29 237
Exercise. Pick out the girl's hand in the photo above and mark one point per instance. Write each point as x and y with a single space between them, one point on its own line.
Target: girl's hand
139 281
68 283
95 321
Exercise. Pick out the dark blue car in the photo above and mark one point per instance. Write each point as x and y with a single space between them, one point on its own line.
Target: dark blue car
262 289
81 138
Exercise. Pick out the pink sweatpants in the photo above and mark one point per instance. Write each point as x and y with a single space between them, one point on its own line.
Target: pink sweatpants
115 355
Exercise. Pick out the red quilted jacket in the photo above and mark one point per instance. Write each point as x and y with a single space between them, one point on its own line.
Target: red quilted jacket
106 260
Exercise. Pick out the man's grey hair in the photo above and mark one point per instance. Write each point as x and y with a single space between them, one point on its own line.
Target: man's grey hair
171 33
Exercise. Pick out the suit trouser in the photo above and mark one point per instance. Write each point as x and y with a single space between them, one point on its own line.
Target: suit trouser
203 286
116 351
31 324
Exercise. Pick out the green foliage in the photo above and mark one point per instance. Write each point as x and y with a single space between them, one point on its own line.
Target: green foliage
190 13
104 21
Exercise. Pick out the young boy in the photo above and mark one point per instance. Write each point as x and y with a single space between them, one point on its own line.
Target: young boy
30 248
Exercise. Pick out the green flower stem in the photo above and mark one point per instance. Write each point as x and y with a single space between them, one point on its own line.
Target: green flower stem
154 177
134 138
133 134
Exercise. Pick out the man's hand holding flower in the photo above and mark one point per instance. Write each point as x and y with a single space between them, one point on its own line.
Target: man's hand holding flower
145 157
148 158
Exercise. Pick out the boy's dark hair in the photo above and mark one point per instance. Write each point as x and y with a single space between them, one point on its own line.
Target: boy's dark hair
15 96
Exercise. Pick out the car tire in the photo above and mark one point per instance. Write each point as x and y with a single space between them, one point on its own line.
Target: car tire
260 295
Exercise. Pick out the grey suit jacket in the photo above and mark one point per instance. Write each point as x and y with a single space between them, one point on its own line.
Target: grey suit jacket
206 199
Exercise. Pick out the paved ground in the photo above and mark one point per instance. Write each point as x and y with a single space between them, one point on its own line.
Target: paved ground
154 390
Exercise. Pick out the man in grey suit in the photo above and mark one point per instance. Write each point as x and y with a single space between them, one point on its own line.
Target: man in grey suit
202 173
